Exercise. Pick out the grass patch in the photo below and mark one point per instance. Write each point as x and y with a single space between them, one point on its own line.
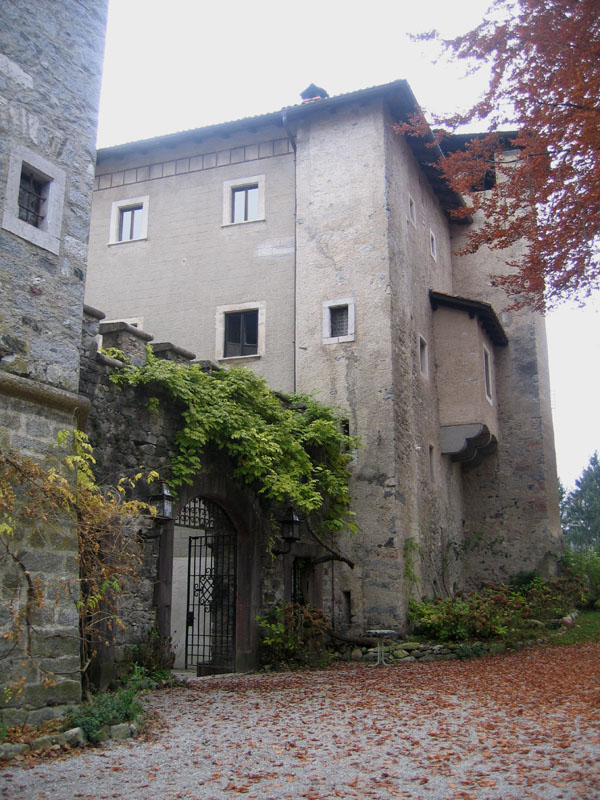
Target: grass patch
586 628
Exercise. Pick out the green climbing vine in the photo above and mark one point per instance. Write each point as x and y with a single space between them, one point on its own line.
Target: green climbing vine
290 448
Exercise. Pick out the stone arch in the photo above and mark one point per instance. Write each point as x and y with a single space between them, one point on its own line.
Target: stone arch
244 514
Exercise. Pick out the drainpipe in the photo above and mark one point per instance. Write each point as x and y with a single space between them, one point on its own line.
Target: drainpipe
284 121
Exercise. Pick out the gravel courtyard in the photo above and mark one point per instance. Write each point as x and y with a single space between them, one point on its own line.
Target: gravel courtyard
521 725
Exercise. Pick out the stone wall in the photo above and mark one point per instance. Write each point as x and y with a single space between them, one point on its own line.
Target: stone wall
512 515
127 438
50 65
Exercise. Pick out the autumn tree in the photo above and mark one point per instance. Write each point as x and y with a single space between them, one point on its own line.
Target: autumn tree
544 61
581 517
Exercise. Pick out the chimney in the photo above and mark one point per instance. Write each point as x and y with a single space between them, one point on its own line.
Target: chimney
313 92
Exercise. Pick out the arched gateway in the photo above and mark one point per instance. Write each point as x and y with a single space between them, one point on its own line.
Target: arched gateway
203 612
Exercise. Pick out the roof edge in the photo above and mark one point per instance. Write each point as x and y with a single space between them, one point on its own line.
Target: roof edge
474 308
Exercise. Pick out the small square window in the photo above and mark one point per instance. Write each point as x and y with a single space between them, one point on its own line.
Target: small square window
244 204
241 334
423 357
412 210
129 220
131 223
244 200
240 331
338 321
432 245
34 199
33 194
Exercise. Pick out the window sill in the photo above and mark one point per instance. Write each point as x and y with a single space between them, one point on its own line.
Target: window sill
243 222
339 339
129 241
254 356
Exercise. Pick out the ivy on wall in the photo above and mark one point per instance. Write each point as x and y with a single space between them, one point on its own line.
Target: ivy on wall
290 448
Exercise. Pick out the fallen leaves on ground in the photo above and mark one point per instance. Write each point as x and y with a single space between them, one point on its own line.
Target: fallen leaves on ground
521 726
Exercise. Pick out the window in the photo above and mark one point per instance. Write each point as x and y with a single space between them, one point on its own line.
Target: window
131 223
432 245
35 192
241 334
244 204
487 372
423 357
244 200
412 210
240 331
129 220
431 462
338 321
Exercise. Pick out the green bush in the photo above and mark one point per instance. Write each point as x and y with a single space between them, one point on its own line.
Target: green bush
105 709
293 635
3 731
584 567
497 612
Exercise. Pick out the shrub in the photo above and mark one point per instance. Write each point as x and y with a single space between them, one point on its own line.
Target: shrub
154 653
105 709
502 612
584 568
293 635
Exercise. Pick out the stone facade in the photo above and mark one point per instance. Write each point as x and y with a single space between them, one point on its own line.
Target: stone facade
50 62
127 438
348 263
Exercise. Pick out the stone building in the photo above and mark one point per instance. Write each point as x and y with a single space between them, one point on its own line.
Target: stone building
50 67
315 246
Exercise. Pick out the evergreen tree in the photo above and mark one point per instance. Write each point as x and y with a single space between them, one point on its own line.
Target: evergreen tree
581 517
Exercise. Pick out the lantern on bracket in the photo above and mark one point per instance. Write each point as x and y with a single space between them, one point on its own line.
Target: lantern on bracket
162 500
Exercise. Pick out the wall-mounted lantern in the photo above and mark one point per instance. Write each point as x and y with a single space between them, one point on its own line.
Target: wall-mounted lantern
290 532
290 526
162 500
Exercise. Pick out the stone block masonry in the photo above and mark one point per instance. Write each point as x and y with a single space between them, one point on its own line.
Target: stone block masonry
49 88
129 437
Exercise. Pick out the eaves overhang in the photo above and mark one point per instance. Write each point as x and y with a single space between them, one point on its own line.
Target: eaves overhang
474 308
397 95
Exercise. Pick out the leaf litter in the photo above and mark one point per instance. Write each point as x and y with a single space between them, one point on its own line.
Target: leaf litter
519 726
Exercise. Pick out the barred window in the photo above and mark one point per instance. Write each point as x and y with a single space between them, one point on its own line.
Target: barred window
33 192
339 320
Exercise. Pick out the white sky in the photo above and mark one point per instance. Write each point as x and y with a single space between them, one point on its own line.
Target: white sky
184 64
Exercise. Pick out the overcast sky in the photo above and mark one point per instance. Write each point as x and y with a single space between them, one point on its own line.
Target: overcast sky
184 64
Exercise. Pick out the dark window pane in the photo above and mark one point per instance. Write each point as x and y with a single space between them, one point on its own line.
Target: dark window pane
241 334
339 321
31 200
487 374
251 328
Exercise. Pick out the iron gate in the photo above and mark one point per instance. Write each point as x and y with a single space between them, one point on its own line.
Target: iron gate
211 589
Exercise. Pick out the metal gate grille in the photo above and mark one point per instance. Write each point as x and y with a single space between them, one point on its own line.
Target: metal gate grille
211 591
